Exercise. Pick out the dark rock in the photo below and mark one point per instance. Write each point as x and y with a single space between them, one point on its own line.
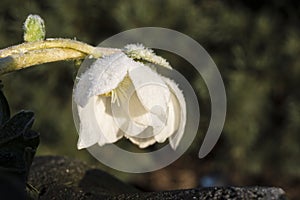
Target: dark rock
213 193
62 178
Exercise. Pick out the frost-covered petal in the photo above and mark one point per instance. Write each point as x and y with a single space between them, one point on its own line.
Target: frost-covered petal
104 75
153 93
139 52
180 110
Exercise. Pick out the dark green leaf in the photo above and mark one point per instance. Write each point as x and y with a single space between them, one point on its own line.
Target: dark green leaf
4 108
16 126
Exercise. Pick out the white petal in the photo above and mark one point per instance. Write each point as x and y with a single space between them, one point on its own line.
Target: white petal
137 111
141 141
141 117
89 129
96 123
123 115
104 75
172 123
180 110
110 131
151 90
128 112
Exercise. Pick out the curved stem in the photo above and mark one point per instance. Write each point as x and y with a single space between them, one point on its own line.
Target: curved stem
50 50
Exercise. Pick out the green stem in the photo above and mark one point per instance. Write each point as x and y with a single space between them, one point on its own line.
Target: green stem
33 53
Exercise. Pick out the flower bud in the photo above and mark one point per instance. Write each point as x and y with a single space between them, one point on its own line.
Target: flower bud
34 29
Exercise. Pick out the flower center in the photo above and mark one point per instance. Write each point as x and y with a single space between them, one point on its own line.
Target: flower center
121 89
111 94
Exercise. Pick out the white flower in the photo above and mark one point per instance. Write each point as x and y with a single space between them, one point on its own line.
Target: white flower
118 97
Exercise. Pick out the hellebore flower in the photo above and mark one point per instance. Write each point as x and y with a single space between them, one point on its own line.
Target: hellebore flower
120 96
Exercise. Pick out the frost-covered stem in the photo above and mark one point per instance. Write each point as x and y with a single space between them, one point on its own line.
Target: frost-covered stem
50 50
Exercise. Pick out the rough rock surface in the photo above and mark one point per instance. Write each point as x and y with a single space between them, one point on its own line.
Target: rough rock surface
62 178
213 193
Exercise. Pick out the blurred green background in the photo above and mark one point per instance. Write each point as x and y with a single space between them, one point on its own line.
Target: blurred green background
256 46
